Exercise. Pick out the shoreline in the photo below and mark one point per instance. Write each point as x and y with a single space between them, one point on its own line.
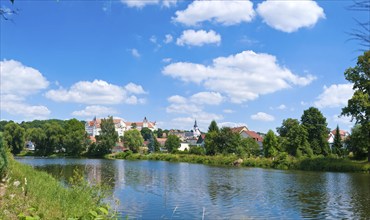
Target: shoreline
281 162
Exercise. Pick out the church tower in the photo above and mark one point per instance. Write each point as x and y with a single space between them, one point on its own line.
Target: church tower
196 131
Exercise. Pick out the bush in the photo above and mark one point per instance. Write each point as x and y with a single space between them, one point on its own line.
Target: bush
3 158
197 150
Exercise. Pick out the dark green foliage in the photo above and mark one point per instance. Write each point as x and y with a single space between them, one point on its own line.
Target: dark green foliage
151 144
294 138
227 141
146 133
159 133
333 164
315 124
41 123
52 139
270 144
213 127
248 146
210 143
337 147
133 140
107 138
3 158
358 143
75 138
172 143
2 125
14 137
38 137
358 106
197 150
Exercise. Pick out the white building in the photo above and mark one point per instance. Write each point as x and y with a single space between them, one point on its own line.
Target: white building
93 127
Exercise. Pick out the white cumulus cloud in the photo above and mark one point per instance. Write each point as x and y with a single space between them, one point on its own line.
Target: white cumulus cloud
17 83
139 3
241 77
336 95
134 89
222 12
198 38
177 99
207 98
19 79
289 16
142 3
261 116
95 110
96 93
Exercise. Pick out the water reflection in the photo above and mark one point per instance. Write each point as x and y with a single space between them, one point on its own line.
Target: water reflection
163 190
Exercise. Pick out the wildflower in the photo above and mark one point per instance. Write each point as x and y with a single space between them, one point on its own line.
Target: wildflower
25 181
16 183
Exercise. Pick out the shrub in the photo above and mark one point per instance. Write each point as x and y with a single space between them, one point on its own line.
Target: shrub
3 158
197 150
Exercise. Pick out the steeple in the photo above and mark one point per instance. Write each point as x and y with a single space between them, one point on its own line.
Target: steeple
196 131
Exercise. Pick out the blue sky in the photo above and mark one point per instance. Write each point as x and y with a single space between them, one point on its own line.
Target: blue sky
250 63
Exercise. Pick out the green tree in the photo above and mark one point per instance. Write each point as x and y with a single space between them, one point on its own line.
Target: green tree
54 139
14 136
337 147
172 143
270 144
358 106
213 127
358 143
146 133
3 158
227 141
107 138
159 133
75 137
2 125
210 143
133 140
134 125
315 124
294 138
38 137
249 146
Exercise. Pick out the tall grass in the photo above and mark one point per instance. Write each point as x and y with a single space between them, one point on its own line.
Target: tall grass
35 194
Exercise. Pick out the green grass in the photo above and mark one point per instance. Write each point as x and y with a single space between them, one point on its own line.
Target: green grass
39 195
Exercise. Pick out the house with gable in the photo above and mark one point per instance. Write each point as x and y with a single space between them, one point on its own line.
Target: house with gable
344 135
93 128
142 124
240 129
254 135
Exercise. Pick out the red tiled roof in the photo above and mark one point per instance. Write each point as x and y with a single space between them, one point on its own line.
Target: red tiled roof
343 133
254 135
162 140
239 129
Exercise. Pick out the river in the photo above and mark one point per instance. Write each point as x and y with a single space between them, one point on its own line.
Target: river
165 190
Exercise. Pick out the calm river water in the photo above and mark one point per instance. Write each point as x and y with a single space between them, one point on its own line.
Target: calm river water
164 190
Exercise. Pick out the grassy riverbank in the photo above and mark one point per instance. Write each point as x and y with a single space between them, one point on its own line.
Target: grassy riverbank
35 194
282 161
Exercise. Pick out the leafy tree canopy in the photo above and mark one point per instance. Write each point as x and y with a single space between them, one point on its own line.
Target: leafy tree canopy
133 140
315 124
358 106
